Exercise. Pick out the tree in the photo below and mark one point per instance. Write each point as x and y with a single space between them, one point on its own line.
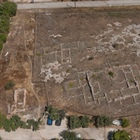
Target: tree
125 122
67 135
121 135
74 122
48 108
7 125
3 38
54 114
111 73
9 8
84 121
2 119
62 114
4 24
33 124
102 121
15 122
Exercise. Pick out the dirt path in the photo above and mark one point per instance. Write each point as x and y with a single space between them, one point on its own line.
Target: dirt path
31 84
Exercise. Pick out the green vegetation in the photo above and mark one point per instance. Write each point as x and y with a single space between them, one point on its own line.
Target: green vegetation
111 73
2 38
62 114
0 138
33 124
84 121
67 135
7 10
1 45
76 122
9 85
102 121
15 122
121 135
125 122
54 113
73 122
2 118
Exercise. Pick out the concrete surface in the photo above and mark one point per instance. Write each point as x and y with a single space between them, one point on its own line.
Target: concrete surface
79 4
26 134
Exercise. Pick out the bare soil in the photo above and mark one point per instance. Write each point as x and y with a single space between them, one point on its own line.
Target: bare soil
64 57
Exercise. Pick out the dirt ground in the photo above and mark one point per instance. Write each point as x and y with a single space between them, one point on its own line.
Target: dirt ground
16 63
76 51
82 60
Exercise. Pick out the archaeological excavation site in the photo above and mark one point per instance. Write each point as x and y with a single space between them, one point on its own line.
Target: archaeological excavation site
82 61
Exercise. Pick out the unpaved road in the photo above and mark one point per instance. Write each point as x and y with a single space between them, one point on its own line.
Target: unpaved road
94 133
53 132
79 4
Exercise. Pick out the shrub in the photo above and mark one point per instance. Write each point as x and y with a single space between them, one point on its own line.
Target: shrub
15 122
3 38
54 113
111 73
33 124
102 121
125 122
1 45
6 125
9 85
121 135
84 121
74 122
4 24
2 119
9 8
67 135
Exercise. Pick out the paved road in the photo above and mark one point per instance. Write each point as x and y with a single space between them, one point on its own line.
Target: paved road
79 4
